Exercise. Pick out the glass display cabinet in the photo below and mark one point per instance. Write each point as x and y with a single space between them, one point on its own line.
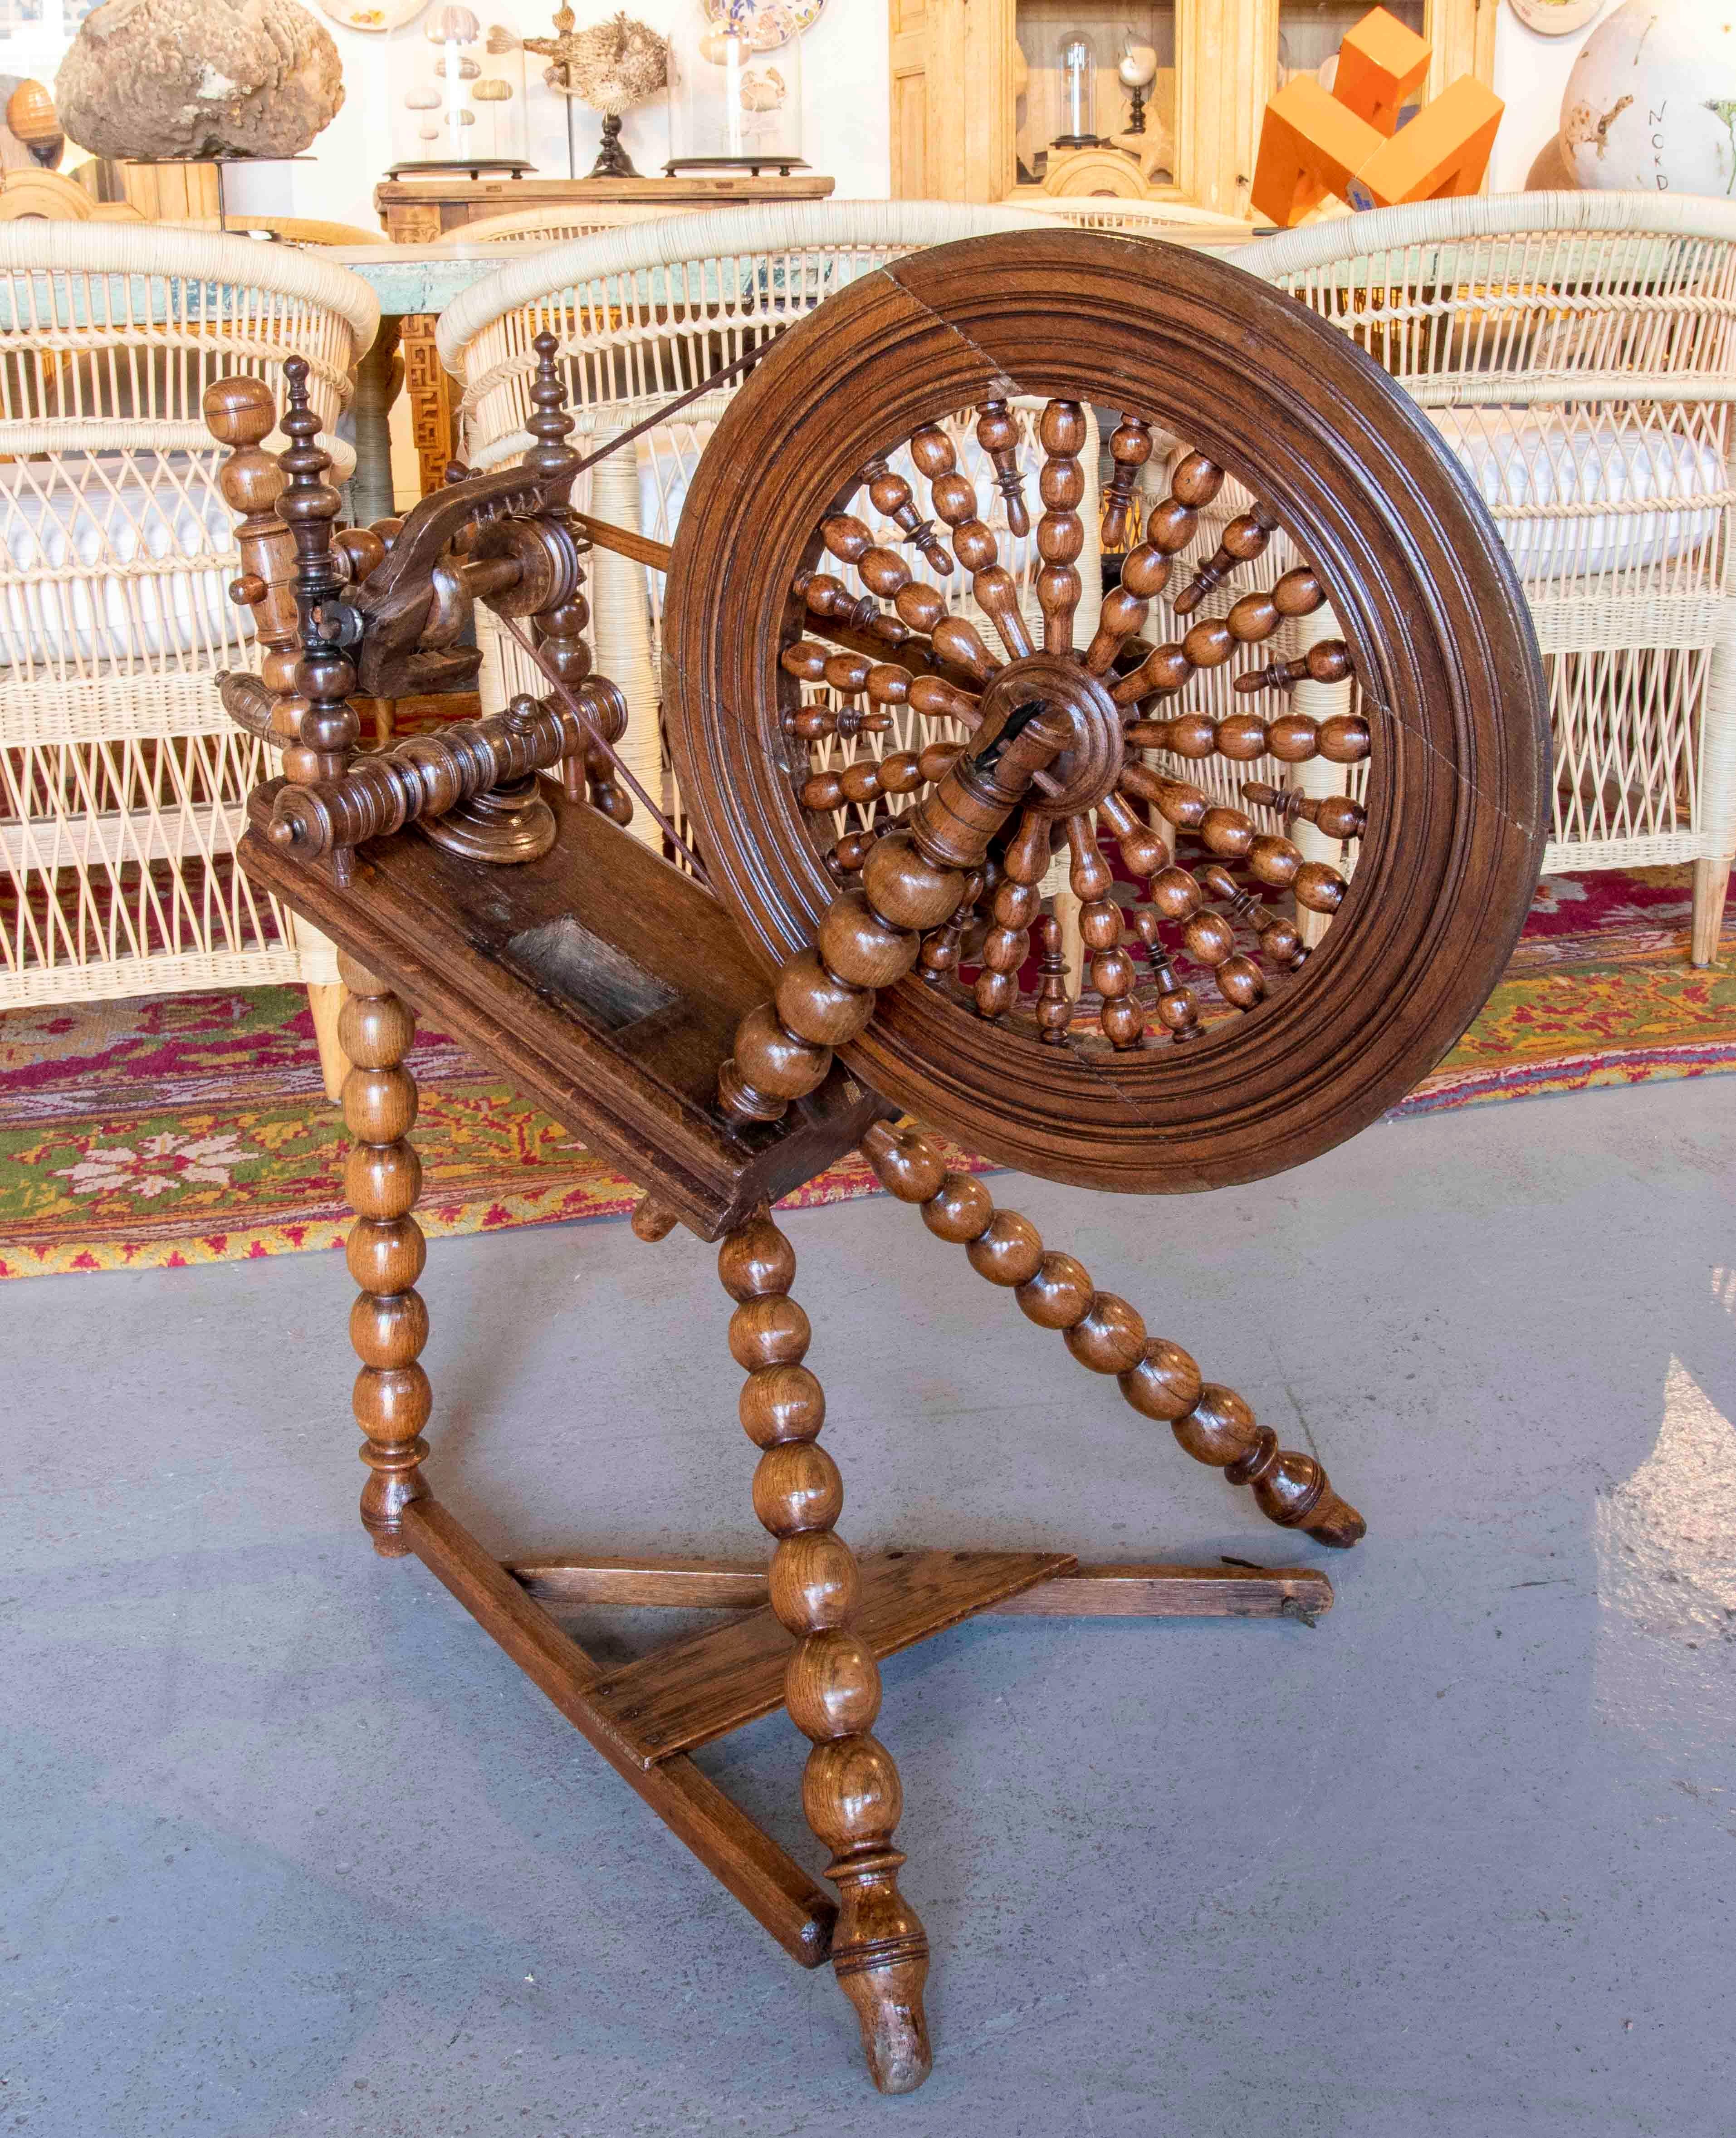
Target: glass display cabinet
985 99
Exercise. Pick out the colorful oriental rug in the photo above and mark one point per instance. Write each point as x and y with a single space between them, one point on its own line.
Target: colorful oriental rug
188 1129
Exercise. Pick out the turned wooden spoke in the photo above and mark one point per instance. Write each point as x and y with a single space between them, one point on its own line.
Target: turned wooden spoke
1142 848
1054 1005
1176 1007
1144 573
1017 901
973 542
1130 450
1337 815
998 433
1230 835
890 494
849 1790
1060 531
863 780
1107 1335
1278 937
1328 660
1243 539
816 722
1167 668
1111 968
940 954
1193 482
917 654
1293 738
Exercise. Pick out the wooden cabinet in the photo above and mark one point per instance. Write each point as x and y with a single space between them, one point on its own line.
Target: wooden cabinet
975 88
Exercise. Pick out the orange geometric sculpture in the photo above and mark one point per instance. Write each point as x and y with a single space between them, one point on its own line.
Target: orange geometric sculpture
1347 141
1380 62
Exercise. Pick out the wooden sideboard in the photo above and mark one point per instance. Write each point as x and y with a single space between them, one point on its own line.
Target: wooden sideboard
417 211
423 211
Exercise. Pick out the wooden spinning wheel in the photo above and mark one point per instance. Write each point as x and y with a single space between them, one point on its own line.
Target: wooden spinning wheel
817 595
798 499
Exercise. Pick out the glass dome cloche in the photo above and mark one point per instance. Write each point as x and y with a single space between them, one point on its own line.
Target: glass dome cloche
735 85
460 98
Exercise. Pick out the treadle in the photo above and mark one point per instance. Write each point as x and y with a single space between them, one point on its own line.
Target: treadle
684 1694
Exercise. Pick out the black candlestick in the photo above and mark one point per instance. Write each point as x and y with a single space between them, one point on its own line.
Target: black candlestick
612 160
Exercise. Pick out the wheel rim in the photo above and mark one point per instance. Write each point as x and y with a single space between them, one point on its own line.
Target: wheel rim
1423 591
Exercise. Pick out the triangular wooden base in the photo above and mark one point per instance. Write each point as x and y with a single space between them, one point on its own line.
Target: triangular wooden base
646 1718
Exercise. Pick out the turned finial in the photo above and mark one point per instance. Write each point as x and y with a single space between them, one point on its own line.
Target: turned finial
550 424
324 675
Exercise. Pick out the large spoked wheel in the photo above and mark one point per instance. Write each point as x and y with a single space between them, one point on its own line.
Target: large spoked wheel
849 559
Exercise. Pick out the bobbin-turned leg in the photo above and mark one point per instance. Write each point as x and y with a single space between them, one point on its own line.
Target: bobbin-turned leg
389 1324
1104 1333
850 1793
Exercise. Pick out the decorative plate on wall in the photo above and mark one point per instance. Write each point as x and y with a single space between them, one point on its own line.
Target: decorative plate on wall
372 14
766 24
1555 18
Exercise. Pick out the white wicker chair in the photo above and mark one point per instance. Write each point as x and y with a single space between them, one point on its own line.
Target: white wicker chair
1578 352
123 780
643 313
1139 219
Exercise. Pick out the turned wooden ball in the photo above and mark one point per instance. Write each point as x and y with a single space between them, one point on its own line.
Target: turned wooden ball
796 1487
389 1331
386 1254
1009 1253
780 1404
382 1180
960 1208
1320 889
1163 1382
831 1686
1293 738
1344 739
1220 1429
906 889
379 1105
1109 1338
850 1791
858 947
768 1332
755 1260
813 1582
775 1062
1241 737
908 1165
1175 895
1060 1294
816 1006
1196 480
239 412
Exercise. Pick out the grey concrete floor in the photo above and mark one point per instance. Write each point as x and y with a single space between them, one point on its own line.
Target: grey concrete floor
291 1848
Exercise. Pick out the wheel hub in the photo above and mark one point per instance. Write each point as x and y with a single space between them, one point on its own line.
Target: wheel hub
1089 767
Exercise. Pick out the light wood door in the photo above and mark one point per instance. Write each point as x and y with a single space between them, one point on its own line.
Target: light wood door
952 99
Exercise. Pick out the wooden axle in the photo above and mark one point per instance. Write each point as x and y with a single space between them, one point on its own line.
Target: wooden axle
429 778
